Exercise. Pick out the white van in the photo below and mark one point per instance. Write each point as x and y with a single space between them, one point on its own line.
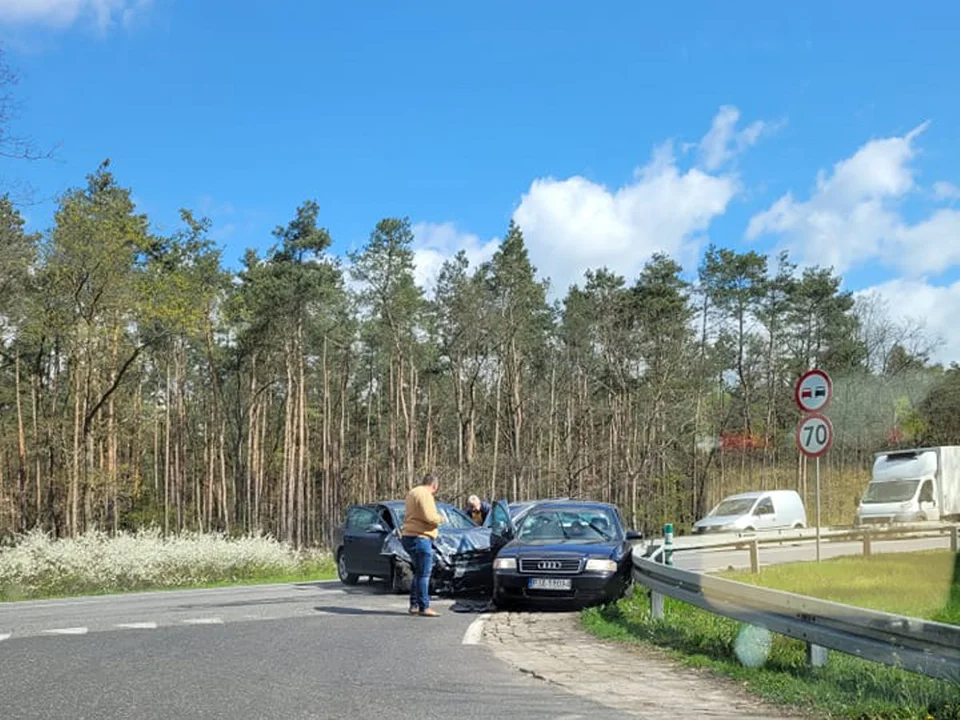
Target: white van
755 511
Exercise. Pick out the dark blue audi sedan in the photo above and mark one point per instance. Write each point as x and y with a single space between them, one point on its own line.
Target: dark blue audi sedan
570 552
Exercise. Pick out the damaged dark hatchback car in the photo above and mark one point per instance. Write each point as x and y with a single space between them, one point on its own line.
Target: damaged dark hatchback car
368 544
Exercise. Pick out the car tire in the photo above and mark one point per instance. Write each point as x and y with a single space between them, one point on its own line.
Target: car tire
345 577
798 526
400 579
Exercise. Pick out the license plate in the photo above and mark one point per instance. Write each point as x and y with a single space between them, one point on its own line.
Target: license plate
549 584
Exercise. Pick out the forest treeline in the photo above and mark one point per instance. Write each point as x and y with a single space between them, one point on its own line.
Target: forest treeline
143 382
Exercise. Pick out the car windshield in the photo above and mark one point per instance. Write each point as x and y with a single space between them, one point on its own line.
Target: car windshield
734 506
569 524
890 491
452 518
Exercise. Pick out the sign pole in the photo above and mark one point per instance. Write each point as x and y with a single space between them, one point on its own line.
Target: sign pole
818 509
814 434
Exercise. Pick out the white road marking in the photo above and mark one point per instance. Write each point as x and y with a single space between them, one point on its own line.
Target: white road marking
203 621
475 631
137 626
68 631
5 636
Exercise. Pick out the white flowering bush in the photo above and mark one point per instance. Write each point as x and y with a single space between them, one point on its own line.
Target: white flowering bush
39 565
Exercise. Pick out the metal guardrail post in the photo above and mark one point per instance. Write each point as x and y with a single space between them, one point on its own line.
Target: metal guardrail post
656 605
867 545
816 655
755 556
954 539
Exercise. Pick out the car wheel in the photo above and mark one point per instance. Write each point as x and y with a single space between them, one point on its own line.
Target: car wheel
798 526
345 577
400 578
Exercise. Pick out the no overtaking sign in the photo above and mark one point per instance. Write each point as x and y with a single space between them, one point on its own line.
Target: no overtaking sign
814 431
813 392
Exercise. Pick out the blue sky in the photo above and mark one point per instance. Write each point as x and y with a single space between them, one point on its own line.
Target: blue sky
609 131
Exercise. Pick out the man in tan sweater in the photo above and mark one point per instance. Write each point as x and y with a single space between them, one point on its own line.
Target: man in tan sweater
421 524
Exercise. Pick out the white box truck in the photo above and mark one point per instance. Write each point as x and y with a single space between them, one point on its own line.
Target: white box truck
912 486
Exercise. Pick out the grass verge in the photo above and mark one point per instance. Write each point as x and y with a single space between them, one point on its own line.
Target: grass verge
774 667
38 566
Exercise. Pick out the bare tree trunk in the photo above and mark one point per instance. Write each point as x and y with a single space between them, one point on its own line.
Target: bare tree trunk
75 471
21 504
167 450
496 437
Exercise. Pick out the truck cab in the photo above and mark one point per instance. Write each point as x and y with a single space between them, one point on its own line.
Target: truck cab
908 486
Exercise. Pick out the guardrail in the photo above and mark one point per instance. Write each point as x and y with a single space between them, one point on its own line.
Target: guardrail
867 535
921 646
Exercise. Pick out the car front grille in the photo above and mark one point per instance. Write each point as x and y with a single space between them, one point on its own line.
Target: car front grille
568 566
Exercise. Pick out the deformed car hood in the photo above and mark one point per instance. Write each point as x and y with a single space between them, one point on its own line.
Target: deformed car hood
450 545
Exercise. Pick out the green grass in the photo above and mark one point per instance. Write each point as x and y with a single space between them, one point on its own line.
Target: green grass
917 584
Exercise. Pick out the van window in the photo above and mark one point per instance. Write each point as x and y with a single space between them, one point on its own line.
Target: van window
926 492
765 507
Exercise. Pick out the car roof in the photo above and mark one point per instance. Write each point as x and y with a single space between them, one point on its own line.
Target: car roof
395 504
562 504
752 495
759 493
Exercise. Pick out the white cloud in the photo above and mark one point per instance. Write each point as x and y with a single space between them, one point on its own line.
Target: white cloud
576 224
852 215
435 243
104 14
936 306
946 191
723 141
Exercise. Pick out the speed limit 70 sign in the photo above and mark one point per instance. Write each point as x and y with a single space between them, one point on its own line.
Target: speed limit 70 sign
814 435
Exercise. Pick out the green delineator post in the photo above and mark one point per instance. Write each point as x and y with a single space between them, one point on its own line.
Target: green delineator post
668 544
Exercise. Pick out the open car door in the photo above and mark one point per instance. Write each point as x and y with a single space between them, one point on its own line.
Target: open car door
502 529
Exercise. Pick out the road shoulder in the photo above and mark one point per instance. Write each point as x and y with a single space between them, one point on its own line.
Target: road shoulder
635 679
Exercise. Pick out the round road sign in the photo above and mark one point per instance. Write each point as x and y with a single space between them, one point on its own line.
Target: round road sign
813 391
814 435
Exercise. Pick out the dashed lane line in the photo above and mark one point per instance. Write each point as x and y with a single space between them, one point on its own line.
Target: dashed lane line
203 621
4 636
137 626
67 631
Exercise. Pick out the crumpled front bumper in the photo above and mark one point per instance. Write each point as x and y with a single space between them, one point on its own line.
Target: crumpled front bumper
462 563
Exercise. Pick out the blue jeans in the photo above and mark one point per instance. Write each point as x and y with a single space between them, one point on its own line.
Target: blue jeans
420 550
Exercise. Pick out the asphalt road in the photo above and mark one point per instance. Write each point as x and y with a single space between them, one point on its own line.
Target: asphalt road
310 650
314 650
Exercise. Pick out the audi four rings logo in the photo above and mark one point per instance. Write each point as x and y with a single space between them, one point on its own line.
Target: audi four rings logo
548 565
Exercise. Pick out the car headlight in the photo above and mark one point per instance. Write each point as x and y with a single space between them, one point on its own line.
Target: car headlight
598 565
505 564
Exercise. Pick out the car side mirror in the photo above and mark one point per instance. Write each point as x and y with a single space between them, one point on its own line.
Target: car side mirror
634 535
